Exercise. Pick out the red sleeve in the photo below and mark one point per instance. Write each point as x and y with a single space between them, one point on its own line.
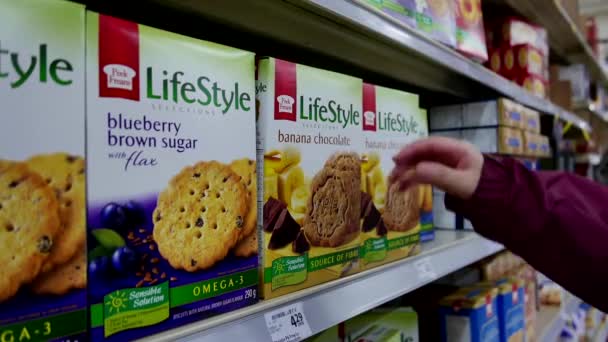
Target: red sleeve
557 222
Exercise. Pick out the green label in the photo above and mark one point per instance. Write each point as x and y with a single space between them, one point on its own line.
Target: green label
135 307
424 21
47 328
426 227
294 269
288 271
403 241
194 292
374 249
329 260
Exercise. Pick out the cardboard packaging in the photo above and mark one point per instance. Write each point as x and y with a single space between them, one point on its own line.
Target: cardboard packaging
42 171
470 314
501 140
533 84
309 142
402 10
171 179
515 31
510 308
500 112
390 218
436 18
531 120
470 33
529 61
579 79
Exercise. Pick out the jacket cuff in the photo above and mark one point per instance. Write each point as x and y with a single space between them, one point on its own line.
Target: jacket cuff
493 184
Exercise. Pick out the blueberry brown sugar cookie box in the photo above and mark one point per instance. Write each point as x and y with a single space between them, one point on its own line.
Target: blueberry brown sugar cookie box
171 179
42 171
309 137
390 218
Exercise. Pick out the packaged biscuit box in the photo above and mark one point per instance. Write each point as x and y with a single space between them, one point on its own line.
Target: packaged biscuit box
42 171
402 10
499 112
172 202
470 314
470 33
390 228
309 137
436 18
510 307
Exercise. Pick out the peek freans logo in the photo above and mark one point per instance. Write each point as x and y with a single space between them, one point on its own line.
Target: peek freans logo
369 107
119 76
118 58
285 104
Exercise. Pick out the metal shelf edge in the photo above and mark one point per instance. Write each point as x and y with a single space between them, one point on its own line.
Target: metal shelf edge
329 304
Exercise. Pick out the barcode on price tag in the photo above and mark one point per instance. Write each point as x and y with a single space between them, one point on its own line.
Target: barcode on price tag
287 324
425 269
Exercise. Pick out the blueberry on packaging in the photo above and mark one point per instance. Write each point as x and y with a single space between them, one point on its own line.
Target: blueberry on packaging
170 125
42 149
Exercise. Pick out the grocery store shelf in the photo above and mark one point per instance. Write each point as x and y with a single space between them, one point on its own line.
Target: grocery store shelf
551 319
565 38
359 35
329 304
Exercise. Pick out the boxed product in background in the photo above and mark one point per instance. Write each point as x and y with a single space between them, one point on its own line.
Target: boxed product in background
510 308
513 31
444 218
171 173
579 79
533 84
531 120
436 18
531 144
390 228
500 112
469 314
501 140
309 142
529 61
383 324
402 10
378 325
470 33
42 171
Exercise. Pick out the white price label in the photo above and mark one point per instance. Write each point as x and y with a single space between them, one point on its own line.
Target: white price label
425 269
288 324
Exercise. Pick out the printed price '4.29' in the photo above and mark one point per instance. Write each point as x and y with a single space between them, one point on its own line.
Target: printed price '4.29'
297 319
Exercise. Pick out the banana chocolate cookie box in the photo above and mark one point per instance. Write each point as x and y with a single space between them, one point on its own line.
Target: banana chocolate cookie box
309 136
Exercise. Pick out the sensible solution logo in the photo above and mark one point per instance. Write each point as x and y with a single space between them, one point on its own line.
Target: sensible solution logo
118 58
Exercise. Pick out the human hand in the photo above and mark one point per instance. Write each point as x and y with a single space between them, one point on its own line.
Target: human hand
452 165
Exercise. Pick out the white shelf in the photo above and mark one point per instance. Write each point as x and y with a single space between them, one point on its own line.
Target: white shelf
551 319
359 35
329 304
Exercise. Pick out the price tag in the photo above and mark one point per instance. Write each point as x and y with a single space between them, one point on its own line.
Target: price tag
425 269
287 324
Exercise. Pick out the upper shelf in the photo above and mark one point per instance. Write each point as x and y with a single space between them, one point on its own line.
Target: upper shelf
358 35
565 39
329 304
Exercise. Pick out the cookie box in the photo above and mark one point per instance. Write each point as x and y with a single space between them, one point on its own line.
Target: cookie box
500 112
532 83
436 18
172 202
531 144
390 218
529 60
501 140
470 314
531 120
545 147
402 10
510 308
427 228
309 137
42 171
383 325
513 31
470 33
